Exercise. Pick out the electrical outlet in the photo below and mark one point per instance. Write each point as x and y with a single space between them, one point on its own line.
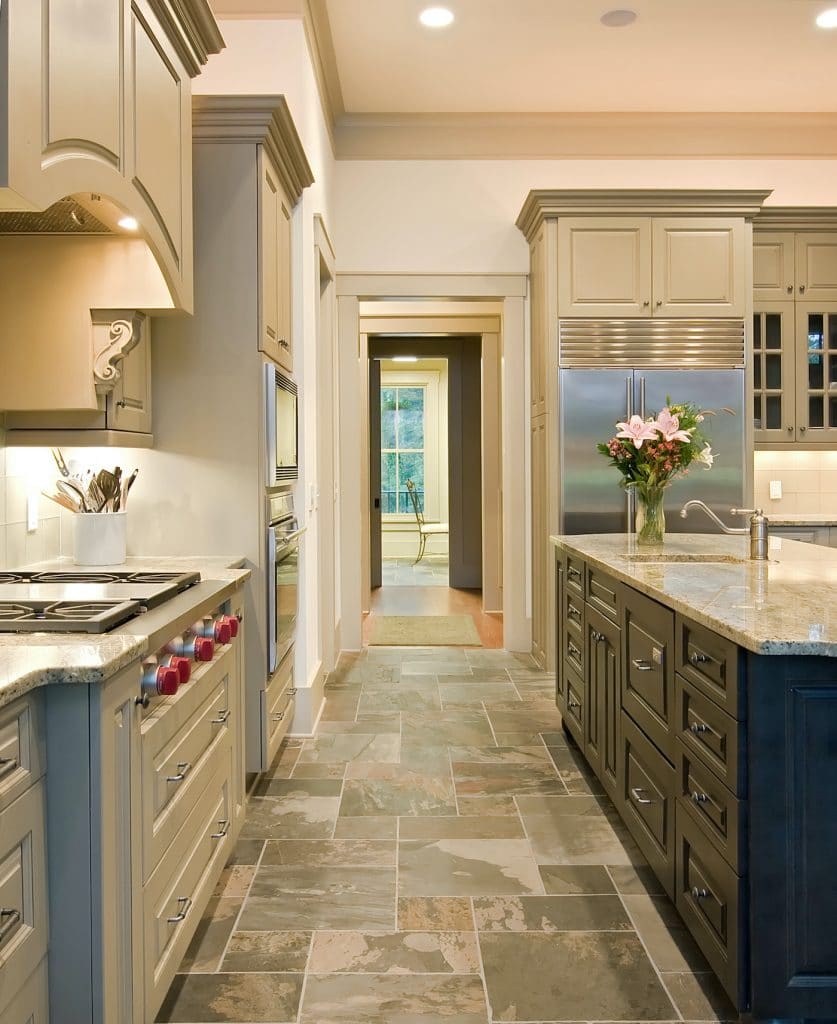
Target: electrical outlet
775 489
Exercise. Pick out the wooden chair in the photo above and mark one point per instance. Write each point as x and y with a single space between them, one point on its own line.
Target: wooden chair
425 529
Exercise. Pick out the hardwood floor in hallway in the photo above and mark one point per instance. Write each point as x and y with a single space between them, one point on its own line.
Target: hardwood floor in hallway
437 852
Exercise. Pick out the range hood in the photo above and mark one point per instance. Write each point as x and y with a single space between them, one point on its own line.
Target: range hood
85 214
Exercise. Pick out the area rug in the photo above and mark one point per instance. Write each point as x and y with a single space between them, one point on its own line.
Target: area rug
423 631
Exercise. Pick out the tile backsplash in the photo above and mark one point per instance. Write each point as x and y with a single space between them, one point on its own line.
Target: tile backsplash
808 479
25 471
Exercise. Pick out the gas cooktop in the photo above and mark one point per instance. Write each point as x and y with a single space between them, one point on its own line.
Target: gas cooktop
83 602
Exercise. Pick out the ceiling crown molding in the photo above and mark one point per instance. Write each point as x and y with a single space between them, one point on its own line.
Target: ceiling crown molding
261 120
547 203
796 218
191 27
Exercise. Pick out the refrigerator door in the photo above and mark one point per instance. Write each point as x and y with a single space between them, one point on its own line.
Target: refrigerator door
722 487
591 402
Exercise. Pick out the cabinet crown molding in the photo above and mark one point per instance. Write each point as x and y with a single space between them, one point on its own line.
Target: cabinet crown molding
261 120
192 30
796 218
543 204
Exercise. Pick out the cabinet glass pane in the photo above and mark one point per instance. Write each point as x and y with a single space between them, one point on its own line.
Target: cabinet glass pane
832 371
757 411
774 372
815 331
815 411
757 331
757 372
832 331
814 371
774 412
773 325
832 412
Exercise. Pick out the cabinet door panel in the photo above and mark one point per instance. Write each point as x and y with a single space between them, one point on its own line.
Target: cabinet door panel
284 290
604 266
275 260
816 267
648 678
699 267
603 657
774 409
129 404
773 266
539 324
816 374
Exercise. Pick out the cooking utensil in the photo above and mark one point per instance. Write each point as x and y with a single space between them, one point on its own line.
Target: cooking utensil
126 487
71 489
108 488
59 462
117 498
96 498
63 501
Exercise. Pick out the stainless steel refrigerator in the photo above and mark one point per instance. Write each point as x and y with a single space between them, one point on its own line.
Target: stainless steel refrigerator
609 370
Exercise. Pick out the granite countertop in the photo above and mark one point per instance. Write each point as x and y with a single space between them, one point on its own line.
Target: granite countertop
802 518
787 605
29 660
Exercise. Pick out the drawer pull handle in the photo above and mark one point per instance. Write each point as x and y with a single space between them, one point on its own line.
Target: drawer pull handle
700 894
573 650
573 611
184 902
699 727
574 574
292 691
699 798
636 793
9 920
573 703
223 717
696 658
183 770
597 636
278 716
642 665
224 827
7 766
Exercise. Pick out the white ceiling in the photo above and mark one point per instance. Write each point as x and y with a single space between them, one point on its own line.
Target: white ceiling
506 56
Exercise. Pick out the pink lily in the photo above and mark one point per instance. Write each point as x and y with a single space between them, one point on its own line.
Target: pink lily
669 427
637 430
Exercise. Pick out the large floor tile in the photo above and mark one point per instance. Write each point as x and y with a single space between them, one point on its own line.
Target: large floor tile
512 754
494 805
325 853
393 789
297 788
431 952
550 914
520 716
352 747
367 827
307 898
462 827
207 946
571 976
466 728
393 999
587 879
661 928
509 779
211 998
369 725
267 952
291 817
401 699
635 880
467 693
466 867
435 913
699 997
572 830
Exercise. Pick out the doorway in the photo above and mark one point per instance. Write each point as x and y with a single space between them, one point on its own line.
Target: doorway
426 458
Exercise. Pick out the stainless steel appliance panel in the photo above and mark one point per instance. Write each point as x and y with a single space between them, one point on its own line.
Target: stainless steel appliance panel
721 487
591 402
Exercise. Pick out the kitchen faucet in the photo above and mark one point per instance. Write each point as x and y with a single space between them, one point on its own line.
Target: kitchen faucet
757 528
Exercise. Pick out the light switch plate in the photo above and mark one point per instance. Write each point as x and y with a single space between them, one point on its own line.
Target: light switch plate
775 489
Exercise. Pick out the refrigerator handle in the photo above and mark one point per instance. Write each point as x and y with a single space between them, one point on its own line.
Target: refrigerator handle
629 411
642 397
629 398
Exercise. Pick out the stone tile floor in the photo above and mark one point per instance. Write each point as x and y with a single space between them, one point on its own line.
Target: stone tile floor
431 571
447 859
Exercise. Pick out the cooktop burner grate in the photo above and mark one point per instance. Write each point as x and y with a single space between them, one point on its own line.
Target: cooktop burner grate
65 616
184 579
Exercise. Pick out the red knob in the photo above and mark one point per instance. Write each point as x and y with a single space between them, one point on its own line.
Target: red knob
204 648
183 667
223 632
168 680
233 623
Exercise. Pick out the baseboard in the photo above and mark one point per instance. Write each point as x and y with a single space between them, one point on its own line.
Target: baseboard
309 705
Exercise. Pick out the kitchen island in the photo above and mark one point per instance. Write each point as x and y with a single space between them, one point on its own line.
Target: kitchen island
122 786
701 687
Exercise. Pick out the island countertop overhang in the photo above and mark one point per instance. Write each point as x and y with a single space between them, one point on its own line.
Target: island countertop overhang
784 606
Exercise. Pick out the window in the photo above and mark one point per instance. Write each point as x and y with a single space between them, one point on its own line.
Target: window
403 420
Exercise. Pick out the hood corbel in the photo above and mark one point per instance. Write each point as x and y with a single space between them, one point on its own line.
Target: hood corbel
115 333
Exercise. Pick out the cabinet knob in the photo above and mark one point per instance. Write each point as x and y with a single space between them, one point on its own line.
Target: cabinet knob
802 430
802 289
790 289
790 430
597 636
573 703
659 303
646 304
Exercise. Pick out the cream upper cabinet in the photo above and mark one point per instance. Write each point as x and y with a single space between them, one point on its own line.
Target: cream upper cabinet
275 261
98 97
799 265
539 361
774 370
604 266
816 266
774 275
652 266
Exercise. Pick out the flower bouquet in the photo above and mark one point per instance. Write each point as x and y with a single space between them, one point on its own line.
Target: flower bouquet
651 452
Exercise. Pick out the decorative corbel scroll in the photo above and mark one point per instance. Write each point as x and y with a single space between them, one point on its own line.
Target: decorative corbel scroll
123 327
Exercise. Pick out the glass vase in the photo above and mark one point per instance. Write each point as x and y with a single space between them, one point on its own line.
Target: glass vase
650 516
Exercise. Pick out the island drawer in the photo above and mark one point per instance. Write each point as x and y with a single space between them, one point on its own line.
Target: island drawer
177 893
176 773
23 890
22 756
711 903
710 734
574 717
648 668
572 647
647 791
575 573
573 613
719 814
278 704
602 592
711 662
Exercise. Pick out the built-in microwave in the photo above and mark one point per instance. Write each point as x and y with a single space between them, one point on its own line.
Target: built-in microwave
282 432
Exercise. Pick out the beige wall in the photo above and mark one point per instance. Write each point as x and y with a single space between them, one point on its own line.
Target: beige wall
809 481
24 471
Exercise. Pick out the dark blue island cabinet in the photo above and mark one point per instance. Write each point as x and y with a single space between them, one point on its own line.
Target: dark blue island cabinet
723 765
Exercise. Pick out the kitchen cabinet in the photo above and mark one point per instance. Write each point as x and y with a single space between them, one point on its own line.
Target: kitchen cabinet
825 535
791 265
275 338
98 101
660 266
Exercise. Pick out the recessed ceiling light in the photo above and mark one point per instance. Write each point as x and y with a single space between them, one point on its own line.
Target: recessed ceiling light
405 359
128 223
436 17
828 19
618 18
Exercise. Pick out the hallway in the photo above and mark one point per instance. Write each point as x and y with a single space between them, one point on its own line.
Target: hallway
437 853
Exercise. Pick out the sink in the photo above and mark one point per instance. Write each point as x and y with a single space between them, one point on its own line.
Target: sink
681 556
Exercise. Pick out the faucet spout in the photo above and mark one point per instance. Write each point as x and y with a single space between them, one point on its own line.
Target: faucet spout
696 503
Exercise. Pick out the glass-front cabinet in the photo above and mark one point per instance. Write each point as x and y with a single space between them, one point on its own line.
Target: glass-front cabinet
816 373
774 393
